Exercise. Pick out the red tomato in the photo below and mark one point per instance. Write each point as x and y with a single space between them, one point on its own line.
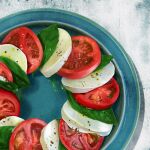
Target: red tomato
84 58
74 140
5 72
25 39
100 98
26 135
9 104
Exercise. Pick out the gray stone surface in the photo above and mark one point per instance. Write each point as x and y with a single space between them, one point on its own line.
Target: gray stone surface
127 20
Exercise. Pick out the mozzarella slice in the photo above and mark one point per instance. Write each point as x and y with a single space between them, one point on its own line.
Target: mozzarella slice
11 121
72 124
50 137
12 52
83 123
2 78
61 54
90 82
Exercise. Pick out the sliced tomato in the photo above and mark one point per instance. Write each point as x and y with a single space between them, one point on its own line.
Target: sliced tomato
25 39
26 135
9 104
5 72
84 58
100 98
74 140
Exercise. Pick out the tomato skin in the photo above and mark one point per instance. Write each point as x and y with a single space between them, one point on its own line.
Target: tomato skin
74 140
26 135
100 98
84 58
9 104
5 72
25 39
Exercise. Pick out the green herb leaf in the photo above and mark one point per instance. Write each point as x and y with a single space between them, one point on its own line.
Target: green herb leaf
5 133
49 38
61 146
105 61
9 86
20 78
106 115
19 94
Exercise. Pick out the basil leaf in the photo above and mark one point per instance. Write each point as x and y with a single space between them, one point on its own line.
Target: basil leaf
9 86
49 38
5 133
61 146
20 78
105 61
106 115
19 94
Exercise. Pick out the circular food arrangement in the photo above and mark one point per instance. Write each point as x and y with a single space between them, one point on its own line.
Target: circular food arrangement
88 80
87 77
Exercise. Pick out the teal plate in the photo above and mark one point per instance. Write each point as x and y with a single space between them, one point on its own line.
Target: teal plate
45 97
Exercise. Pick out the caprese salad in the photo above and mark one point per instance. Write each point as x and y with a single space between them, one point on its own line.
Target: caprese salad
87 76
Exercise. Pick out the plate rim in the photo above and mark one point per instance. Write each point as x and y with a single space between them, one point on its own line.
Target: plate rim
126 56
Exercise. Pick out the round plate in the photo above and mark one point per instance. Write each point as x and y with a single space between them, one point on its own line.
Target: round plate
45 97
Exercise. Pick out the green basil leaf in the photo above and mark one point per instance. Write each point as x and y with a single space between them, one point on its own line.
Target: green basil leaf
9 86
5 133
105 61
49 38
61 146
19 94
20 78
106 115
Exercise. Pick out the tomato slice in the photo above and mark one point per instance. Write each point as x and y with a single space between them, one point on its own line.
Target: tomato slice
9 104
25 39
84 58
26 135
74 140
5 72
99 98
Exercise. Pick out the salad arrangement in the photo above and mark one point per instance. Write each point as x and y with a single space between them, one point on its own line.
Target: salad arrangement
87 76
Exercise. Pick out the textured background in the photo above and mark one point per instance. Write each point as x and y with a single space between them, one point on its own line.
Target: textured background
126 20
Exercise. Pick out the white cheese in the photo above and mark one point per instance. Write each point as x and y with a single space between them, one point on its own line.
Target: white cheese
11 121
49 136
61 54
12 52
2 78
83 123
90 82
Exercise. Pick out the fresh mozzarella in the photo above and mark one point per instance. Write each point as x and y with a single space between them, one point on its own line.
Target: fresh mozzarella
90 82
11 121
61 54
72 124
49 136
83 123
2 78
15 54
